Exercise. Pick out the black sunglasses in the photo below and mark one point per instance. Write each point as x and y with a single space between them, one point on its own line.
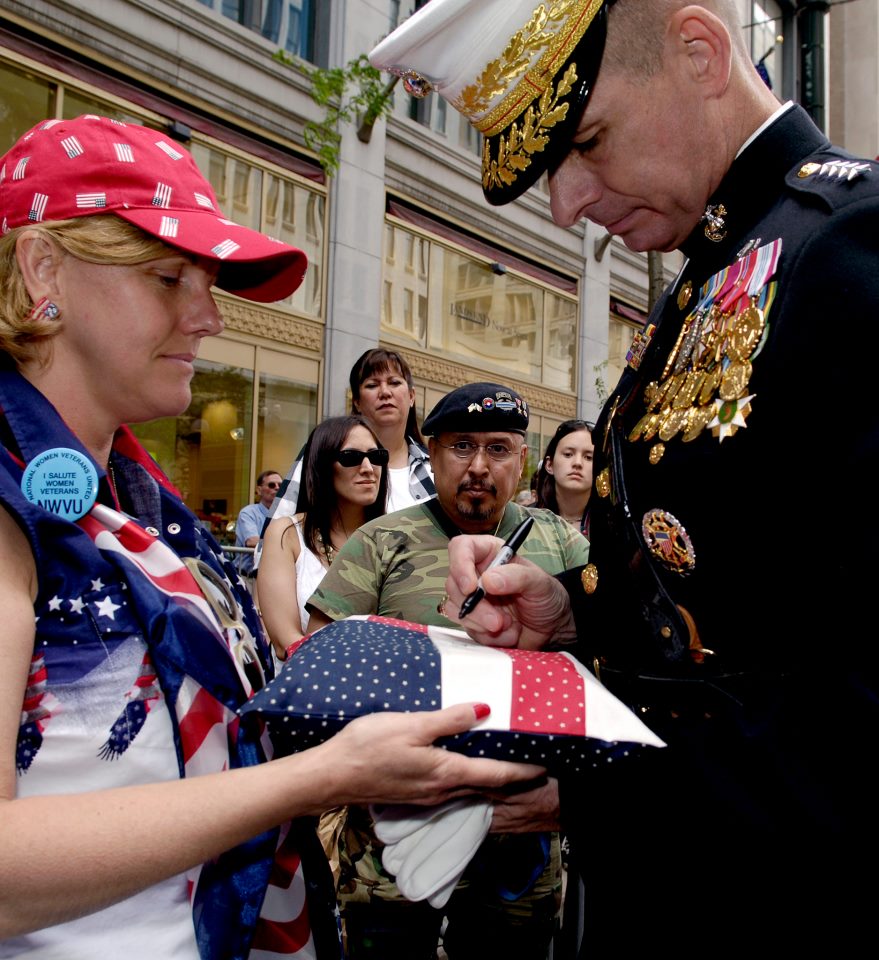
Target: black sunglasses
272 485
378 457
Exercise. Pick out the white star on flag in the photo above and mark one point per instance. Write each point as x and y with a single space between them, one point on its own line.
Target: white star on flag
97 584
55 603
76 606
106 608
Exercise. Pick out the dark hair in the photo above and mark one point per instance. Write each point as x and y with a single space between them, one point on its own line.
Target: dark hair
375 361
317 492
546 496
263 475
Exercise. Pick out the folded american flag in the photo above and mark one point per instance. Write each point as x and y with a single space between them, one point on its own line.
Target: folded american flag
546 708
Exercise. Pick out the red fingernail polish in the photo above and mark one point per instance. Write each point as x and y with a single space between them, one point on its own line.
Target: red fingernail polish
482 710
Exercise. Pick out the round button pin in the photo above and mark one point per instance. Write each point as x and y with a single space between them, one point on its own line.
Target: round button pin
62 481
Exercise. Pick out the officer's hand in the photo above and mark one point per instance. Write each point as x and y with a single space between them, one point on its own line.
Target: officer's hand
523 607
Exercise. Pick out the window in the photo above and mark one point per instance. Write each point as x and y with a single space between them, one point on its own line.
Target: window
299 27
765 28
475 311
252 409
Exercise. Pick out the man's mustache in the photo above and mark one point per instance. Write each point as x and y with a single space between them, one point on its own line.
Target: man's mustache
477 486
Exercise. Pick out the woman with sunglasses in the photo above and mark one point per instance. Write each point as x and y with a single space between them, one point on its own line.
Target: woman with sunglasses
564 484
139 818
382 391
345 480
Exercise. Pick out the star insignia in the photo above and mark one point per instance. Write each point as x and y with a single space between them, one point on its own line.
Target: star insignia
97 584
55 603
730 416
106 608
76 606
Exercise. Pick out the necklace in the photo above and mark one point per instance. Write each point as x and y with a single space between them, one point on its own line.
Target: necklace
329 550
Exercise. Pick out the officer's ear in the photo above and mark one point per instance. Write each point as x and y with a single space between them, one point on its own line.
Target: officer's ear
703 48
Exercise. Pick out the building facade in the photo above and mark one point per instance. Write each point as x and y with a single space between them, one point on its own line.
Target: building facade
402 248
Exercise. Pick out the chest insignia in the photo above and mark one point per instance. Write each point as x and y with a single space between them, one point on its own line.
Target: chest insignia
707 373
640 342
715 224
668 541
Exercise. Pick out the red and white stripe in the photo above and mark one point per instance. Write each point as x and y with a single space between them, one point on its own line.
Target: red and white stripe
528 692
124 153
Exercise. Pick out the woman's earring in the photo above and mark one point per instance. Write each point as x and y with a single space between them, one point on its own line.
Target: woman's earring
44 309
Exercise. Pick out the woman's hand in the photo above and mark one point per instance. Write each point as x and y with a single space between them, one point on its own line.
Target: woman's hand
523 606
390 758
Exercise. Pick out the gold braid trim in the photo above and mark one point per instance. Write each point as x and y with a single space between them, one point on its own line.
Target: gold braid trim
516 146
546 33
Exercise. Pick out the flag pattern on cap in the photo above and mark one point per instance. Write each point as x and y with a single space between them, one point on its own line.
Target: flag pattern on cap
38 207
72 168
168 149
124 153
545 706
72 147
91 200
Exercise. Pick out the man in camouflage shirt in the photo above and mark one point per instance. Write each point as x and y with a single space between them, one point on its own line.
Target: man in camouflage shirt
396 566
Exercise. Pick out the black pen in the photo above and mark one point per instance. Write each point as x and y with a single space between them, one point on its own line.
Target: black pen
504 555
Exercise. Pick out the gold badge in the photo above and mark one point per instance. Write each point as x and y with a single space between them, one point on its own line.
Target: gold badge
715 224
807 169
746 333
656 453
602 483
668 541
589 578
697 420
684 294
735 379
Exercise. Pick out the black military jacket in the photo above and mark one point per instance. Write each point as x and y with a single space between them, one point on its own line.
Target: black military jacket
737 823
778 516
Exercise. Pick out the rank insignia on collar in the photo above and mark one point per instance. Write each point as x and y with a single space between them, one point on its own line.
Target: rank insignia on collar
715 224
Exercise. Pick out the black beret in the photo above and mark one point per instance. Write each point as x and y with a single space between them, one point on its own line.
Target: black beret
478 407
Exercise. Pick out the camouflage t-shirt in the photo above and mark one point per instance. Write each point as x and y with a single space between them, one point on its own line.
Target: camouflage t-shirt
396 565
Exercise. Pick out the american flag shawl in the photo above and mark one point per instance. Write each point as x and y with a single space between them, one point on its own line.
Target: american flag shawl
257 900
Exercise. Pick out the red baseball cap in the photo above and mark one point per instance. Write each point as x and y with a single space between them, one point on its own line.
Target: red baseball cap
93 165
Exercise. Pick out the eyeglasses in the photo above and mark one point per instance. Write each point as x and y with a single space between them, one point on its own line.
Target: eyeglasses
272 485
378 457
467 450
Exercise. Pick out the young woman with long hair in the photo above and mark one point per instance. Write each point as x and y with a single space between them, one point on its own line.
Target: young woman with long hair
344 484
565 481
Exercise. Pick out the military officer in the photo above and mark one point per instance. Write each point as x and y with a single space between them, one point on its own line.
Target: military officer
728 597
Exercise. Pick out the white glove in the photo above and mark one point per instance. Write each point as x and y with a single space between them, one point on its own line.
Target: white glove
428 848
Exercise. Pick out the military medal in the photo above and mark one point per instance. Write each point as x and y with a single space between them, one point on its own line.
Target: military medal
684 294
704 383
730 416
668 541
602 483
